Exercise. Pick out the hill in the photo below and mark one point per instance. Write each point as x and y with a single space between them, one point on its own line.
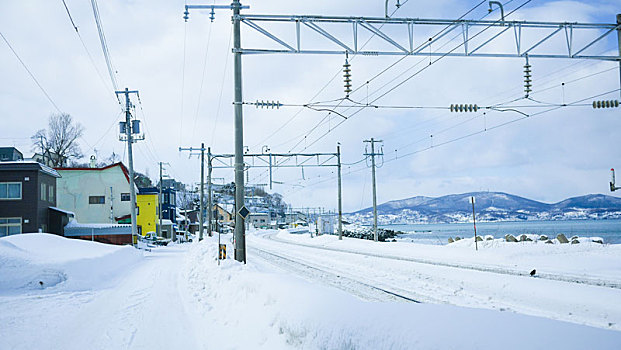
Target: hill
489 206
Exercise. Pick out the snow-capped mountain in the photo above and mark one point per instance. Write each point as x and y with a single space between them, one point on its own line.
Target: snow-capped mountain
489 206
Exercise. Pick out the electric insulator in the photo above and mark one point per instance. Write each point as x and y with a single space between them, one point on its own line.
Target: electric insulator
527 78
268 104
464 108
606 104
347 77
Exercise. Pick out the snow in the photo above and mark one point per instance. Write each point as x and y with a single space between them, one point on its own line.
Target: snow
42 261
179 297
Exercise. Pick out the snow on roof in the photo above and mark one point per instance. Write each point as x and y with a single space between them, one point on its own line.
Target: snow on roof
44 168
63 211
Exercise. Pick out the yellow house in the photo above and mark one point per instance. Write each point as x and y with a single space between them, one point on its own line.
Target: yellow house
147 218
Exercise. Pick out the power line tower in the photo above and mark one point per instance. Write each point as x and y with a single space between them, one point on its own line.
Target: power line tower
130 132
201 206
372 154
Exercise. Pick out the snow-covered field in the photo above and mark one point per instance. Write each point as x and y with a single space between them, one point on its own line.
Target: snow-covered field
310 293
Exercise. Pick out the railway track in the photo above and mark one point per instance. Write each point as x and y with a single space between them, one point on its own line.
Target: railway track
349 284
492 269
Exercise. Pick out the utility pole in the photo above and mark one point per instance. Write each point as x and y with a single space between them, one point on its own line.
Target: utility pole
202 201
340 196
129 135
373 154
209 204
202 204
619 45
240 238
474 222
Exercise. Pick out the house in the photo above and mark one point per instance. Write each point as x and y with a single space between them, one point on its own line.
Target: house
96 195
222 215
10 154
169 201
27 192
47 158
169 204
147 218
259 219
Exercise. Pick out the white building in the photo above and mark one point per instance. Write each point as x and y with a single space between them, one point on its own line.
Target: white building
259 220
95 195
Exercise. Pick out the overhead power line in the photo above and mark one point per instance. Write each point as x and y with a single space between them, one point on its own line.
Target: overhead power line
104 45
30 73
88 53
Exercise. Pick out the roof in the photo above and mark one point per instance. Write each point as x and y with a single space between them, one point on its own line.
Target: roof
9 152
62 211
28 165
119 164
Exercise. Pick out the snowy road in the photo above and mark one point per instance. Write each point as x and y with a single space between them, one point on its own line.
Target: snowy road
576 301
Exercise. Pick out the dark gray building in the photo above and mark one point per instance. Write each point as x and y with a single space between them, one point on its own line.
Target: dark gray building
8 154
27 191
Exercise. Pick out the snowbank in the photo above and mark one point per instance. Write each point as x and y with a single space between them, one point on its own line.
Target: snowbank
276 310
38 261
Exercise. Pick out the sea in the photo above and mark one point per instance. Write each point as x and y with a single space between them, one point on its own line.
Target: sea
609 230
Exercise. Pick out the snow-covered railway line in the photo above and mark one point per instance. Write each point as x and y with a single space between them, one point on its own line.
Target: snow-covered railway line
433 283
361 289
494 269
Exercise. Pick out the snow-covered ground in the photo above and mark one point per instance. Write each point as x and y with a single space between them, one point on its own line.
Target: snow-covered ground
302 292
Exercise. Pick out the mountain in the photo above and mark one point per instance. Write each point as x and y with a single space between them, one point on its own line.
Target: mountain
489 206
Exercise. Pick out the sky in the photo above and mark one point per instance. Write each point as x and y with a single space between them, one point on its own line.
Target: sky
183 72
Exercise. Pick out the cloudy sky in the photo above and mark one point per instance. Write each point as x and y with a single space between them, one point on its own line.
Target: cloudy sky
184 74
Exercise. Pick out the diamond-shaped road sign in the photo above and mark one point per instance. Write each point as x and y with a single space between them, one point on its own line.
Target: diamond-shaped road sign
243 212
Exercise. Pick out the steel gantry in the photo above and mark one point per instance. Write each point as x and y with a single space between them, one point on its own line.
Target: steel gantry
528 36
280 160
417 42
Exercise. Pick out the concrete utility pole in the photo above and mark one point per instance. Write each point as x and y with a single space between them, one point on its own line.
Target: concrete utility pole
373 154
202 189
340 196
130 139
240 237
209 204
202 205
474 222
619 46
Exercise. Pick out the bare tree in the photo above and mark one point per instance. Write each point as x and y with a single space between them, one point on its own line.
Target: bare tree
59 142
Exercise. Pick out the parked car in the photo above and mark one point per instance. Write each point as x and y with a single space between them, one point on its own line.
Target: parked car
152 238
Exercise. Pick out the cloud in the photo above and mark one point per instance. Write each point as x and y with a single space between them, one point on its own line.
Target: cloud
548 157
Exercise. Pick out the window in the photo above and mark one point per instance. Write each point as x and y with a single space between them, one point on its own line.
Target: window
51 193
166 199
10 190
125 197
43 192
10 226
96 200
